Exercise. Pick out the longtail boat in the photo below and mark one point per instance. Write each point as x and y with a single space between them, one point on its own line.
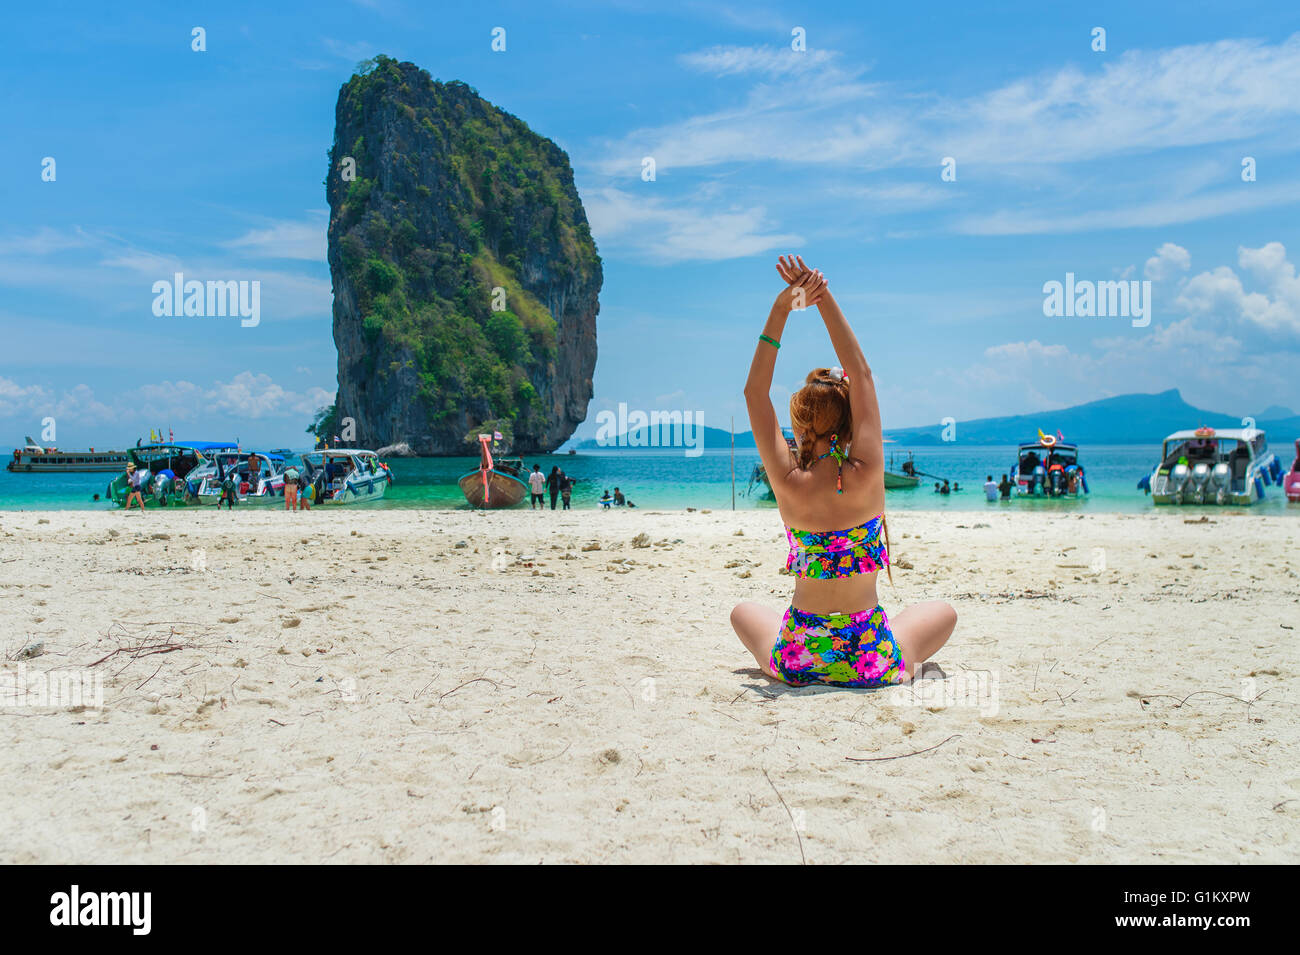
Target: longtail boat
493 484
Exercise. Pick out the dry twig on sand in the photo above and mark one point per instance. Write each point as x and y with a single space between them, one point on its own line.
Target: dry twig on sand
884 759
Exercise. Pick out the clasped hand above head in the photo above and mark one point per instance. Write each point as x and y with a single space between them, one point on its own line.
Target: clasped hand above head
804 286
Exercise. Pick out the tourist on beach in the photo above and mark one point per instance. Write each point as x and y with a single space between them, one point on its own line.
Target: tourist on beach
991 488
537 483
305 495
606 500
619 499
1004 488
945 489
228 496
291 488
133 487
566 491
553 482
835 631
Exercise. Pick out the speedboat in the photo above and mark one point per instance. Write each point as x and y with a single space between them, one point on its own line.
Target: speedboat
1209 466
344 476
167 472
1049 467
1292 480
259 477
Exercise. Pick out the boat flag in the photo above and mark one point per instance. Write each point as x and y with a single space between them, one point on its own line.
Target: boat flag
1059 436
497 436
486 470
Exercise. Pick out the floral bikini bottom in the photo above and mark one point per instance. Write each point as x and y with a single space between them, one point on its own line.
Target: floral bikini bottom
843 649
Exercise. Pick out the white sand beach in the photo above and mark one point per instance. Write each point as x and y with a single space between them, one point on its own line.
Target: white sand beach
351 686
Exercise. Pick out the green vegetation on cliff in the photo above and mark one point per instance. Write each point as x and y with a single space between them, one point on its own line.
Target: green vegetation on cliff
471 201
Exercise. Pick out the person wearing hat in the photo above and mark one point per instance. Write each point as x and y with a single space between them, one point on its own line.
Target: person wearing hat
132 487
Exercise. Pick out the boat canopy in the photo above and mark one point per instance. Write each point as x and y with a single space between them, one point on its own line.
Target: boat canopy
1224 434
196 445
168 447
341 453
1037 445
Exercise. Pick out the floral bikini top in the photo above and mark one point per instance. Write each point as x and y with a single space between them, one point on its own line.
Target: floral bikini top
825 554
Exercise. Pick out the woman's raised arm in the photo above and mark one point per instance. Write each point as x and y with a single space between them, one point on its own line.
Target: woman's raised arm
867 438
804 291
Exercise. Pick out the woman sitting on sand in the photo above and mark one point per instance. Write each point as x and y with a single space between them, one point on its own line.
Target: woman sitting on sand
831 495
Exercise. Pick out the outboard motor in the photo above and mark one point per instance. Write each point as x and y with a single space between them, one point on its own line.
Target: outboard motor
1038 480
1179 476
1200 481
1057 482
1221 482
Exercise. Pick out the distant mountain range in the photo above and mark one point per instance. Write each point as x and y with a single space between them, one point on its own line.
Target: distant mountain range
1125 419
639 440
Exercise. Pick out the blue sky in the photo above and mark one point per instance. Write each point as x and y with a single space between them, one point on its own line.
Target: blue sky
1125 163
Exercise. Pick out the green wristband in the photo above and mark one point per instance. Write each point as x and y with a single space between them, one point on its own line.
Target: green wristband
771 341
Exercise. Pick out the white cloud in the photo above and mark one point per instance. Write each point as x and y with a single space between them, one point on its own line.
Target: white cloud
247 396
1169 260
45 241
767 60
1220 294
354 50
652 228
1026 351
16 399
36 401
1030 133
286 240
1174 210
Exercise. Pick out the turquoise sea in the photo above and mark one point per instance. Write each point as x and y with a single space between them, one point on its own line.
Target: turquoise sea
667 479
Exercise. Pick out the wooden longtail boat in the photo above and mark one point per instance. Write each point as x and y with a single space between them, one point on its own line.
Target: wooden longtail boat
493 484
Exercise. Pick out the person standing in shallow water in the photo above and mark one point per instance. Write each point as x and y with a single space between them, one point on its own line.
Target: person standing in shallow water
133 488
831 496
536 485
553 482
